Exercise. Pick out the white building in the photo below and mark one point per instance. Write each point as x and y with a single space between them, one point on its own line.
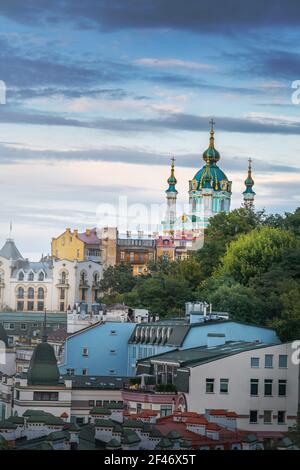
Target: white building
259 382
51 284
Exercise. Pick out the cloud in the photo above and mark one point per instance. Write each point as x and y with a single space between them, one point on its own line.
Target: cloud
254 124
174 63
172 14
11 154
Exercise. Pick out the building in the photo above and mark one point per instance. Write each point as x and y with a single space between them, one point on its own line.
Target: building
121 344
174 247
51 284
137 250
258 381
249 194
73 246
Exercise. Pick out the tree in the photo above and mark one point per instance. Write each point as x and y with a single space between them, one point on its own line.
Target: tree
116 280
222 229
288 324
254 253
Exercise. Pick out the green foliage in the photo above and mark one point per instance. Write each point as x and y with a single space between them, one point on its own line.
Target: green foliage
254 253
249 266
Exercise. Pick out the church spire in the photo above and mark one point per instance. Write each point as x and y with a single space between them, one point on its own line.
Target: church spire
211 154
171 193
249 194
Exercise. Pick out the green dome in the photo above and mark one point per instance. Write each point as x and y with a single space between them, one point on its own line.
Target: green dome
211 155
210 176
43 368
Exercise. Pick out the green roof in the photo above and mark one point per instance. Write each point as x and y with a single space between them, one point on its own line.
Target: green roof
114 443
164 443
195 356
185 444
5 424
133 423
115 406
43 368
104 423
174 434
130 437
58 436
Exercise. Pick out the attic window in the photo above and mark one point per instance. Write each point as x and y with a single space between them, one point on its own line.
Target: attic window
21 276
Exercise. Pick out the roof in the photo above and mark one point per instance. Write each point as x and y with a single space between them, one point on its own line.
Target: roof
196 356
3 335
100 411
10 251
43 368
89 238
97 382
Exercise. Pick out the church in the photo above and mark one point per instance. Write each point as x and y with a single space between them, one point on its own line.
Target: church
210 193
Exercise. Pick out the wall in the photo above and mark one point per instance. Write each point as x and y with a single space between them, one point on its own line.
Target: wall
238 370
233 331
99 340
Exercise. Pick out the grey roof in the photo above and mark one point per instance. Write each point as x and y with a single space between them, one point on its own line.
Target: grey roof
96 382
10 251
195 356
179 330
35 266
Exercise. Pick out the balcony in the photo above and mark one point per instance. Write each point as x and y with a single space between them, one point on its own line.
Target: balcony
63 283
83 284
159 393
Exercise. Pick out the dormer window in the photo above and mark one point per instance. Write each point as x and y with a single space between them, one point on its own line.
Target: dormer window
41 276
21 276
30 276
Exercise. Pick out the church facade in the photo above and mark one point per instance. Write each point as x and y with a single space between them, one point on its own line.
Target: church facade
209 192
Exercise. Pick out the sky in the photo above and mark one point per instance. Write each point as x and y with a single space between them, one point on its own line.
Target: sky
101 94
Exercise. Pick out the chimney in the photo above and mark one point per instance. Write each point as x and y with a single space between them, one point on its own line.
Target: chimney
88 232
75 232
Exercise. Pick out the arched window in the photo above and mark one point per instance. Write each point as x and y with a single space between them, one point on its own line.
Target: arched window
31 293
63 277
31 276
222 205
41 276
96 277
83 276
21 276
20 293
41 293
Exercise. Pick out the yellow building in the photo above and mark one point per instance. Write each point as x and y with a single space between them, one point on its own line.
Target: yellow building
77 246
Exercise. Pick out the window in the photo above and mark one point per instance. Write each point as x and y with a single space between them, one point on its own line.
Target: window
41 293
267 417
282 388
61 306
254 361
165 410
99 403
20 305
20 293
85 352
30 305
91 403
85 372
210 385
138 407
23 326
113 332
45 396
62 293
70 371
112 371
21 276
253 416
281 417
282 361
269 360
40 306
41 276
113 351
254 387
17 395
224 385
268 387
9 326
122 255
30 293
30 276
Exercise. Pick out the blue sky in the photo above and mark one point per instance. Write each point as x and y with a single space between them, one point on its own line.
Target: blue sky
101 94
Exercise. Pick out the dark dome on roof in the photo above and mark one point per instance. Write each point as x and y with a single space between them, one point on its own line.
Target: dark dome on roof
3 335
43 368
